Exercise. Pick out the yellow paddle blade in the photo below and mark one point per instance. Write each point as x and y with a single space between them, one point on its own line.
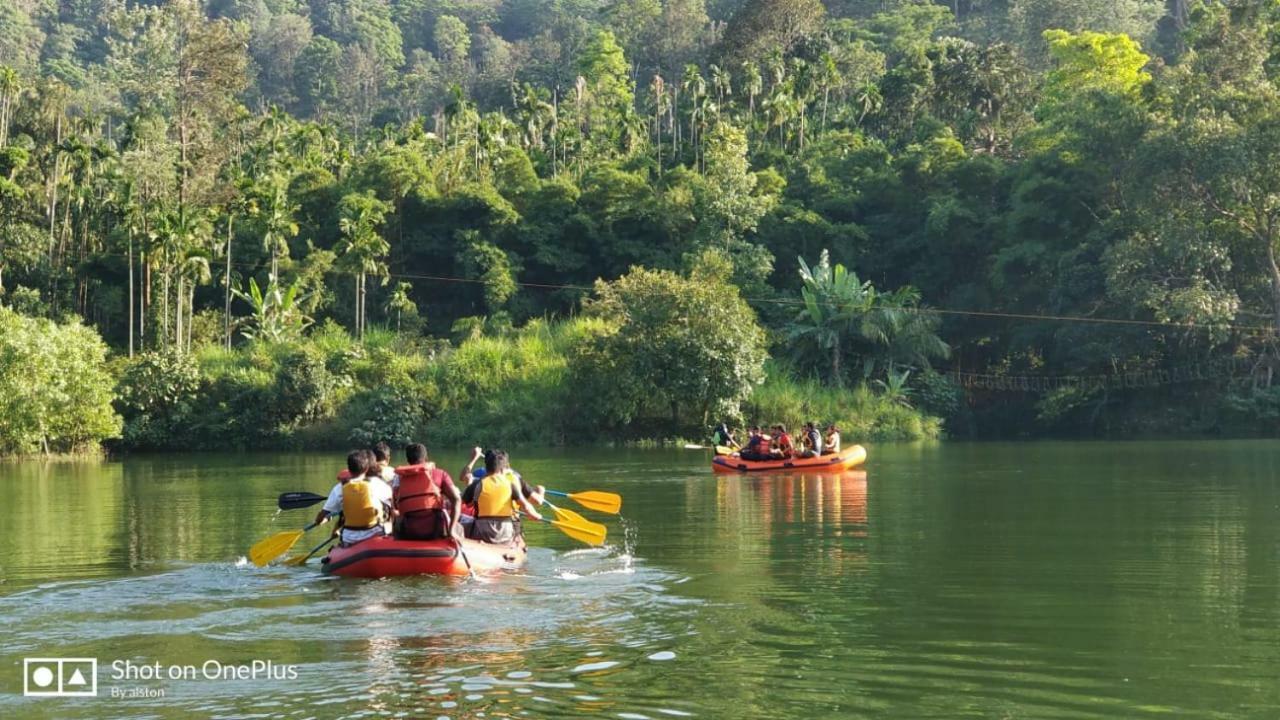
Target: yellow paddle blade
573 518
724 450
273 547
297 560
583 533
605 502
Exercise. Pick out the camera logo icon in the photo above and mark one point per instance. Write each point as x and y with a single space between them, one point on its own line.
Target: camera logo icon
60 677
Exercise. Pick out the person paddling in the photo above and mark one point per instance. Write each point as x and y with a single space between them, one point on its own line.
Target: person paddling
757 446
812 441
497 496
782 445
723 437
363 500
426 500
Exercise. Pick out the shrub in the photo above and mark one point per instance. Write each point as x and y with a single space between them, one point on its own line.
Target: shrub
55 386
156 395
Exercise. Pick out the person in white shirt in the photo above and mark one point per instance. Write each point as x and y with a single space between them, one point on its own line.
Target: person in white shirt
364 500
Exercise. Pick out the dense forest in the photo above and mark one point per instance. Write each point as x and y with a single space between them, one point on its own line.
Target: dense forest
552 221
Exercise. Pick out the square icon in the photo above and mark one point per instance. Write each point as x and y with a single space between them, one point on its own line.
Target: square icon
60 677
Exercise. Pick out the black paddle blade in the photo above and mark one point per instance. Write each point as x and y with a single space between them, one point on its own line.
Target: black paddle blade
295 500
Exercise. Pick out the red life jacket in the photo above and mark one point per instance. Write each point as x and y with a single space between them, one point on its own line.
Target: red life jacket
419 489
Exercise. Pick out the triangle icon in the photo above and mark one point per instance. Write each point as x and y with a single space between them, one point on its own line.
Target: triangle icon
77 678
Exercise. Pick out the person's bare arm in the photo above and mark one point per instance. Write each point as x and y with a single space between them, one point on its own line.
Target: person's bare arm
476 454
455 504
525 505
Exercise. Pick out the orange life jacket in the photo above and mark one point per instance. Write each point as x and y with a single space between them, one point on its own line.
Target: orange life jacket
419 489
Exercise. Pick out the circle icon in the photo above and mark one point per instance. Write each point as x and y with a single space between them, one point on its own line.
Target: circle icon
42 676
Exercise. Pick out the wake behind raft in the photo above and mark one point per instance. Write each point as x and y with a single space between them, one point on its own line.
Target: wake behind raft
388 557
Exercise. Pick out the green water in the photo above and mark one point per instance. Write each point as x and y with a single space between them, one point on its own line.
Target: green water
1051 580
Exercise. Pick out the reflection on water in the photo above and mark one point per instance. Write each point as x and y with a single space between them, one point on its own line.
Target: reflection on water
1046 580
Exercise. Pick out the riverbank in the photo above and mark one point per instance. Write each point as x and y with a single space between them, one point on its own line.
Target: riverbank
520 388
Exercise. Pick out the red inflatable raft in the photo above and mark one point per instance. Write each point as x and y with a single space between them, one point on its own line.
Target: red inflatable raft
387 557
849 458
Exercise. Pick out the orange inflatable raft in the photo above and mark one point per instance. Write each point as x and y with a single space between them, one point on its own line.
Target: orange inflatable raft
388 557
846 459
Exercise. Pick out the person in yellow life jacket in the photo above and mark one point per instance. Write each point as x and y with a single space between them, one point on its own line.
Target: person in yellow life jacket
497 496
426 499
364 500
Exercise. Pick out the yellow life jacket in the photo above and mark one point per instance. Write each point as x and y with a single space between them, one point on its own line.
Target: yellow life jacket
496 498
360 509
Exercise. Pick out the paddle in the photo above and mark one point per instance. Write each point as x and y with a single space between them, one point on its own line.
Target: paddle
590 534
273 547
724 450
296 500
581 527
302 559
605 502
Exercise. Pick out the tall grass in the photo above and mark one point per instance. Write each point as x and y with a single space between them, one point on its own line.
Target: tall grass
860 413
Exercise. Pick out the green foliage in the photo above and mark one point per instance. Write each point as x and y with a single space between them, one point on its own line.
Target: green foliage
153 156
860 414
276 312
845 317
55 386
679 343
156 395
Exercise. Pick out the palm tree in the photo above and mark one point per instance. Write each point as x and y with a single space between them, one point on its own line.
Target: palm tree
10 88
722 82
657 90
696 86
399 301
868 99
753 85
828 77
363 250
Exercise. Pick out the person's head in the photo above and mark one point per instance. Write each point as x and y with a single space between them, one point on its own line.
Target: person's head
782 429
416 453
832 429
495 461
755 429
358 462
382 453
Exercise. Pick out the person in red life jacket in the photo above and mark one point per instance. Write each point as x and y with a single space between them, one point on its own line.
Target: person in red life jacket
782 445
757 447
426 500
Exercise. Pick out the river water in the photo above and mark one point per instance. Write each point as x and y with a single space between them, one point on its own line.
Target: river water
1039 580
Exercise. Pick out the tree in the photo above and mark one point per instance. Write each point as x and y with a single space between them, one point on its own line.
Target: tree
400 302
55 386
764 24
674 342
842 315
728 206
453 43
610 93
363 250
